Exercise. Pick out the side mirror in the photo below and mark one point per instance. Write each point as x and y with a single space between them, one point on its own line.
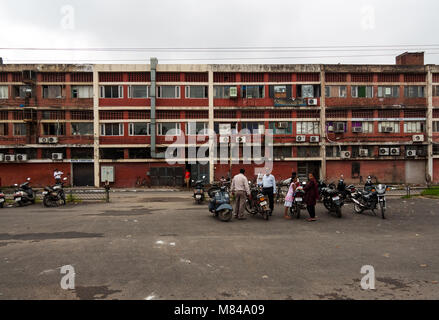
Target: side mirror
28 179
15 185
65 179
204 177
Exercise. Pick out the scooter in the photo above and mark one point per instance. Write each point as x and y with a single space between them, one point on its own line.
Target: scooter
256 203
298 202
370 199
219 204
24 194
199 190
54 196
2 199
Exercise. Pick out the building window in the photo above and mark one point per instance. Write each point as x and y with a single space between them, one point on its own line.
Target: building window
168 92
111 91
23 92
283 127
54 129
362 92
388 126
3 92
138 92
435 126
221 92
388 92
282 152
82 92
3 129
225 129
171 128
252 92
366 126
336 91
414 91
52 92
82 128
112 129
307 127
197 128
436 91
306 152
139 153
139 129
196 92
19 129
414 126
253 127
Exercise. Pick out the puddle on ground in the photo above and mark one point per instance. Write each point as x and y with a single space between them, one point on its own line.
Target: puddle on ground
91 293
49 236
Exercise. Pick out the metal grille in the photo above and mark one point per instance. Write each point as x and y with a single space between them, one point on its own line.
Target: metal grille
280 77
388 77
168 76
414 77
336 114
3 115
388 113
336 77
253 114
139 77
362 114
196 77
252 77
362 77
414 113
168 114
139 115
308 77
81 115
53 115
53 77
111 115
435 77
280 114
308 114
197 114
82 77
225 114
111 77
224 77
3 77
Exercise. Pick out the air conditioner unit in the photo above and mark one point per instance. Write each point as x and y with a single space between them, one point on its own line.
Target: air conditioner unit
10 157
300 138
312 102
384 151
339 127
224 139
357 129
387 129
233 92
21 157
364 152
394 151
345 154
57 156
241 139
330 128
410 153
2 157
314 139
282 125
52 140
43 140
418 138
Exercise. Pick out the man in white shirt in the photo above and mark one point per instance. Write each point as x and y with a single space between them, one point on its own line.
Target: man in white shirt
57 175
241 190
269 187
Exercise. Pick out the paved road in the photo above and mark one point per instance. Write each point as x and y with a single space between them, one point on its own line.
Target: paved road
160 245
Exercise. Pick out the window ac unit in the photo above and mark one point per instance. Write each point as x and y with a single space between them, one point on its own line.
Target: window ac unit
224 139
21 157
57 156
357 129
394 151
387 129
312 102
410 153
330 128
10 157
282 125
314 139
339 127
300 138
52 140
241 139
2 157
418 138
364 152
345 154
233 92
43 140
384 152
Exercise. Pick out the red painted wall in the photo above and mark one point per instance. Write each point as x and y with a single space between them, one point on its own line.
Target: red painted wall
40 173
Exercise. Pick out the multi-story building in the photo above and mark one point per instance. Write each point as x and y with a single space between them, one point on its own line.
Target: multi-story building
109 122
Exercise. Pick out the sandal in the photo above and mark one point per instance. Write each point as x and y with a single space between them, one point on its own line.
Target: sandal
311 219
287 217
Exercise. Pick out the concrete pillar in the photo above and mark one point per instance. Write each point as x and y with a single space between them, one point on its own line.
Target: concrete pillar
429 125
322 123
96 129
211 127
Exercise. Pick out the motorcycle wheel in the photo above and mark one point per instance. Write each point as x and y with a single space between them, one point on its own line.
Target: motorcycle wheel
295 212
1 205
34 197
357 208
383 210
338 212
327 206
49 203
266 215
248 207
225 215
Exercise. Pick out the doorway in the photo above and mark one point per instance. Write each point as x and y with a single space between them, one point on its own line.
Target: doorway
83 174
306 167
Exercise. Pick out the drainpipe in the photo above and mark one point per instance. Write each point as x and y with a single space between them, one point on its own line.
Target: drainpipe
152 94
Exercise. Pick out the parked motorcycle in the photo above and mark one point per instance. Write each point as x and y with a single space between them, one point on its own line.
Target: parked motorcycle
219 204
256 203
370 198
331 199
298 202
2 199
199 190
24 194
54 196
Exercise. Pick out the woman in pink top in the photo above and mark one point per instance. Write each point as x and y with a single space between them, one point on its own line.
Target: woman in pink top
290 195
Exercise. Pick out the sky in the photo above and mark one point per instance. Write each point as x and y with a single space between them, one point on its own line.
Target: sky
226 31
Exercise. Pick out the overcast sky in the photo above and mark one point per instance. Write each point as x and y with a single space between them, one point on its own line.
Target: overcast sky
218 24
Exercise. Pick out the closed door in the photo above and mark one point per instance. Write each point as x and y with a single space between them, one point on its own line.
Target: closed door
83 174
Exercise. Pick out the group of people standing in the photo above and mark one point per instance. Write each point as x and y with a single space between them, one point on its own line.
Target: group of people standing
240 188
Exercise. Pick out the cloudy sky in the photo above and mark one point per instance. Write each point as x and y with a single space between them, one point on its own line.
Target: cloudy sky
226 31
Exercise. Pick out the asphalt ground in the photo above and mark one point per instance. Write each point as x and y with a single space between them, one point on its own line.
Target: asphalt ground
161 245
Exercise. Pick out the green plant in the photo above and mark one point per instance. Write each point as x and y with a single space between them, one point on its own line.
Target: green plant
72 199
433 191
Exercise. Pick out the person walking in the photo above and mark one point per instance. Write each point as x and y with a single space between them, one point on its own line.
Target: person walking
241 190
269 188
294 183
311 196
187 178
